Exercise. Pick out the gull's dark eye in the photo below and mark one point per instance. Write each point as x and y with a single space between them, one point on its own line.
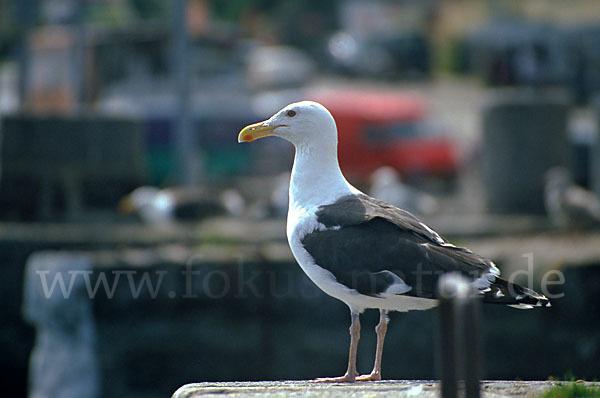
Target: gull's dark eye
291 113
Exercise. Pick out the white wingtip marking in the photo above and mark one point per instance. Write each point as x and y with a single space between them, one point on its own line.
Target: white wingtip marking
521 306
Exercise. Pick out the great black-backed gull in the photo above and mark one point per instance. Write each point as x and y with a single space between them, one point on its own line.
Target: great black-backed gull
166 206
361 250
567 204
387 185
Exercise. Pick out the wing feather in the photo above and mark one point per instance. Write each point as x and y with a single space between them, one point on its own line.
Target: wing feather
378 249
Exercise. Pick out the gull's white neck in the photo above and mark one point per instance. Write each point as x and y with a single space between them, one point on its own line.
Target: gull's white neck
316 178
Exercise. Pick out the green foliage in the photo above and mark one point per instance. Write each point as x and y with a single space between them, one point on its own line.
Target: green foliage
572 390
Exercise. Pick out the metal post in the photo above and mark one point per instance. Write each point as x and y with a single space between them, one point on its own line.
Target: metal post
78 57
184 142
25 12
448 289
459 350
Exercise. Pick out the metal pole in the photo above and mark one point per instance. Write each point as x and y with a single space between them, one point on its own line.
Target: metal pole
459 349
78 57
184 142
25 12
448 350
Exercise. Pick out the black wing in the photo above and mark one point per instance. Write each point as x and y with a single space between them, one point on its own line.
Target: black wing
369 244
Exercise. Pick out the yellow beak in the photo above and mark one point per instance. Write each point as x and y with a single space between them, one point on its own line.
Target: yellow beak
255 131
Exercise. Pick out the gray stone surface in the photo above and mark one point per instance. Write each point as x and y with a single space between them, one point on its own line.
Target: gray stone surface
396 388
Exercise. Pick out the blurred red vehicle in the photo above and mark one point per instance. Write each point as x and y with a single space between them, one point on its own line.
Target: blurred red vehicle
388 129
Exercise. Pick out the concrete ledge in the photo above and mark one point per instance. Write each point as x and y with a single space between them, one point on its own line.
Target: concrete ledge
399 388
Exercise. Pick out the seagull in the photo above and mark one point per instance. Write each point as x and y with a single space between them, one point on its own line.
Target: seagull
363 251
387 185
167 206
567 204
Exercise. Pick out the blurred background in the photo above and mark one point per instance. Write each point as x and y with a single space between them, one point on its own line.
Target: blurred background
143 248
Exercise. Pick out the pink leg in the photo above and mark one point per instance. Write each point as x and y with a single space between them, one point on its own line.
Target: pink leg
380 330
350 376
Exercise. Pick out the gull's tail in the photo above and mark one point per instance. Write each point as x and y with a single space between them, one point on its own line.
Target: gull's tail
502 291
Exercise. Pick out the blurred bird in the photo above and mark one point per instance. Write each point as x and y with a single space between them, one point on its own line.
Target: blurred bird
270 199
165 206
567 204
280 195
387 185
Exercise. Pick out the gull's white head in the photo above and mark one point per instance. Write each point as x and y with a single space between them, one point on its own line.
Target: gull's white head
304 124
